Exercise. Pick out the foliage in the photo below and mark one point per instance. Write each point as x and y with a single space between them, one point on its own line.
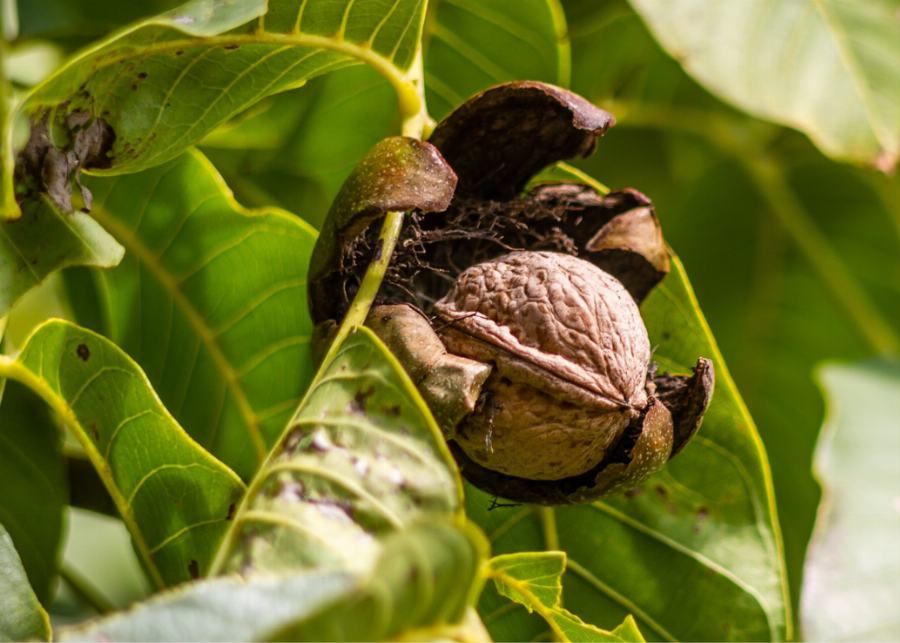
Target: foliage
185 370
850 585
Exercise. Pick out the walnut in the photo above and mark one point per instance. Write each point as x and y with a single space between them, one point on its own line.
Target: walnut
515 311
570 352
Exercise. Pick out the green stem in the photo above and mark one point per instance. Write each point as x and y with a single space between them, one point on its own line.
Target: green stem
9 209
86 592
371 282
548 525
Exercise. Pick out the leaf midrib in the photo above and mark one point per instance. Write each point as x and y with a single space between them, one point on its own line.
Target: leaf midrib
206 334
14 369
397 77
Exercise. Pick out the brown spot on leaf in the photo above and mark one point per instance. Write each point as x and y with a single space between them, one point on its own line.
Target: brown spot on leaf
230 514
358 405
231 47
83 352
194 569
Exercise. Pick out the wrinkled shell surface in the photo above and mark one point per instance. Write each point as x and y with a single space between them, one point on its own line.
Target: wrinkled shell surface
571 352
524 432
560 314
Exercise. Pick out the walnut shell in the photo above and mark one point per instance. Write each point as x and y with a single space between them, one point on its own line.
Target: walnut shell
571 354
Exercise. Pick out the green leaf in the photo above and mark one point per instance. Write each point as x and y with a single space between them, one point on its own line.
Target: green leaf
21 615
174 497
533 579
442 559
33 480
842 87
850 586
165 82
362 458
704 529
753 248
211 301
298 149
44 240
472 44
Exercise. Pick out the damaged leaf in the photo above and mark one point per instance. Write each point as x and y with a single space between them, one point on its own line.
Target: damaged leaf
165 82
532 579
44 240
361 458
420 584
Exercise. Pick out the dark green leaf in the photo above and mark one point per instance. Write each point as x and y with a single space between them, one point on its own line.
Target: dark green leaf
443 561
850 588
703 529
33 480
298 147
21 614
754 249
533 579
174 497
473 44
842 86
211 301
362 458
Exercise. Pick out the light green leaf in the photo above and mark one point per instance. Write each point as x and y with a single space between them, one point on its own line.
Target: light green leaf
21 615
33 480
842 86
44 240
703 529
229 608
165 82
174 497
850 590
362 458
533 579
473 44
211 301
441 559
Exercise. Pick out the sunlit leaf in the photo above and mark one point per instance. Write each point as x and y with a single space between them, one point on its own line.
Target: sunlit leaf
421 582
297 150
533 579
163 83
210 301
842 86
174 497
850 590
143 82
21 615
33 480
362 458
44 240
